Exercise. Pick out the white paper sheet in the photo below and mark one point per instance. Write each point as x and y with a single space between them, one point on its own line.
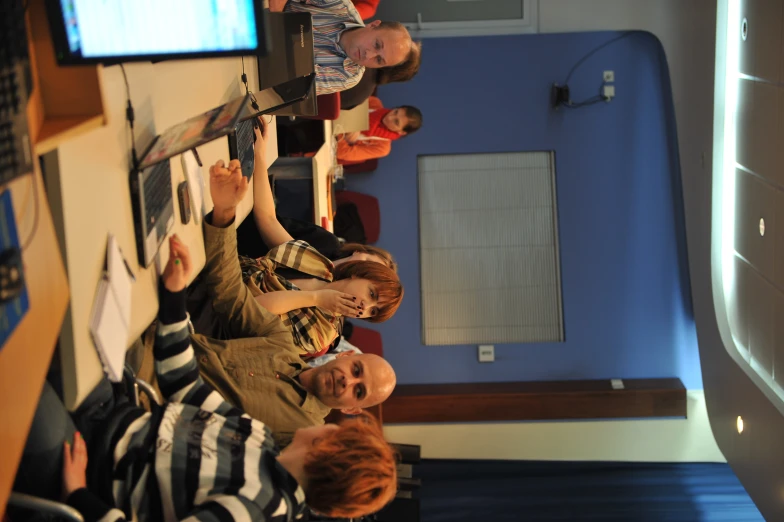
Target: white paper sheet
195 179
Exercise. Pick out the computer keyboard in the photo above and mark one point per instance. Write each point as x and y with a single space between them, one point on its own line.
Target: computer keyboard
245 136
157 193
15 88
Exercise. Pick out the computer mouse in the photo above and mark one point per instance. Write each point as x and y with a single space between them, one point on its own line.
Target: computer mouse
11 276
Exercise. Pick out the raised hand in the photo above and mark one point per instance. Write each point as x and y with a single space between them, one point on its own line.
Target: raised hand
227 188
178 268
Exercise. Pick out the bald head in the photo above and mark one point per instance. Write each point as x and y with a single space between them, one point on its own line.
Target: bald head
351 381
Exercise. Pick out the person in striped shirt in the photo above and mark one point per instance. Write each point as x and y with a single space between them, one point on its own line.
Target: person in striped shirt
197 457
344 46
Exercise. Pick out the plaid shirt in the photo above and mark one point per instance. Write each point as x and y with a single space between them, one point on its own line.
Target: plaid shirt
335 71
313 329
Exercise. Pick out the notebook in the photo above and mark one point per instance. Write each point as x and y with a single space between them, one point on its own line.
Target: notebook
111 316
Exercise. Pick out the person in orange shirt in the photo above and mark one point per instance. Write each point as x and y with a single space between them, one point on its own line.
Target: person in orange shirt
386 125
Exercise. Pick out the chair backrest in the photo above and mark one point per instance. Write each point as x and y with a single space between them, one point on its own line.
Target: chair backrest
368 209
367 340
366 8
358 167
328 107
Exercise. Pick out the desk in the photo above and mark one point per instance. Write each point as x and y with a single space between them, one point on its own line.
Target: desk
89 190
25 358
325 159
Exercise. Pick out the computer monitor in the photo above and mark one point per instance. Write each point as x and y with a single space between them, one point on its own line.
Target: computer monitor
115 31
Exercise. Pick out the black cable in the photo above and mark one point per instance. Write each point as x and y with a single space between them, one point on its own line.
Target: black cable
129 115
244 77
594 51
26 243
585 103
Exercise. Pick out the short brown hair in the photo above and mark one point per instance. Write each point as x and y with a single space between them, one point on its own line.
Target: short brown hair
346 249
352 471
414 116
403 71
388 286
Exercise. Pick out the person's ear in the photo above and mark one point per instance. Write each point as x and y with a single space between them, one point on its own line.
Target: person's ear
344 354
374 24
351 411
402 133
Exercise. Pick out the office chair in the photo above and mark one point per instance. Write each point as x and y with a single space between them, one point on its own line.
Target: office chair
134 385
328 107
359 167
368 210
367 340
44 506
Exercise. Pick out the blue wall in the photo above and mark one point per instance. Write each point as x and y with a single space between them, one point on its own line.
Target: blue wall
626 303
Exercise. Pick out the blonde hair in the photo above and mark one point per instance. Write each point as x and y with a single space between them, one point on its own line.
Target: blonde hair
346 249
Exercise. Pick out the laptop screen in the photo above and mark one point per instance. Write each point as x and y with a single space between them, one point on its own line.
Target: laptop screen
122 30
198 130
292 38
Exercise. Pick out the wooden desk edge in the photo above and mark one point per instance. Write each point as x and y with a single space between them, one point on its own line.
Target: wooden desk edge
25 358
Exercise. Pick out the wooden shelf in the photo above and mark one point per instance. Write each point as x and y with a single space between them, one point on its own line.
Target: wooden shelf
65 101
533 401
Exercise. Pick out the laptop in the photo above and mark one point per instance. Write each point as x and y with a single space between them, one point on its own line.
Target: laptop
151 186
115 31
291 35
267 101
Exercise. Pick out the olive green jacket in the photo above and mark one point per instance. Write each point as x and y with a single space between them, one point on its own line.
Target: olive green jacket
256 369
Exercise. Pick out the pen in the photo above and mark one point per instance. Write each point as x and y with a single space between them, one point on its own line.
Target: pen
196 155
128 268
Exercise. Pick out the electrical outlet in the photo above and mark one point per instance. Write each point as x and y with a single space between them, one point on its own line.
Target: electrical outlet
609 92
608 76
486 353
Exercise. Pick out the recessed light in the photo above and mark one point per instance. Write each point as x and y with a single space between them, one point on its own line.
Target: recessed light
762 226
739 424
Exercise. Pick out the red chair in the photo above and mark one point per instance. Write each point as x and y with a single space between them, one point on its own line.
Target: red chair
366 8
369 212
358 167
367 340
328 106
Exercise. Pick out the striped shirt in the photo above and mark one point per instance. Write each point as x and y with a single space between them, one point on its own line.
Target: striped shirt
208 459
335 71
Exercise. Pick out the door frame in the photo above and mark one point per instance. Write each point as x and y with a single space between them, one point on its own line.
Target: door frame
529 24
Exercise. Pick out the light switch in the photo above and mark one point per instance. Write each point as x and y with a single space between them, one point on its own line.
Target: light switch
486 353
